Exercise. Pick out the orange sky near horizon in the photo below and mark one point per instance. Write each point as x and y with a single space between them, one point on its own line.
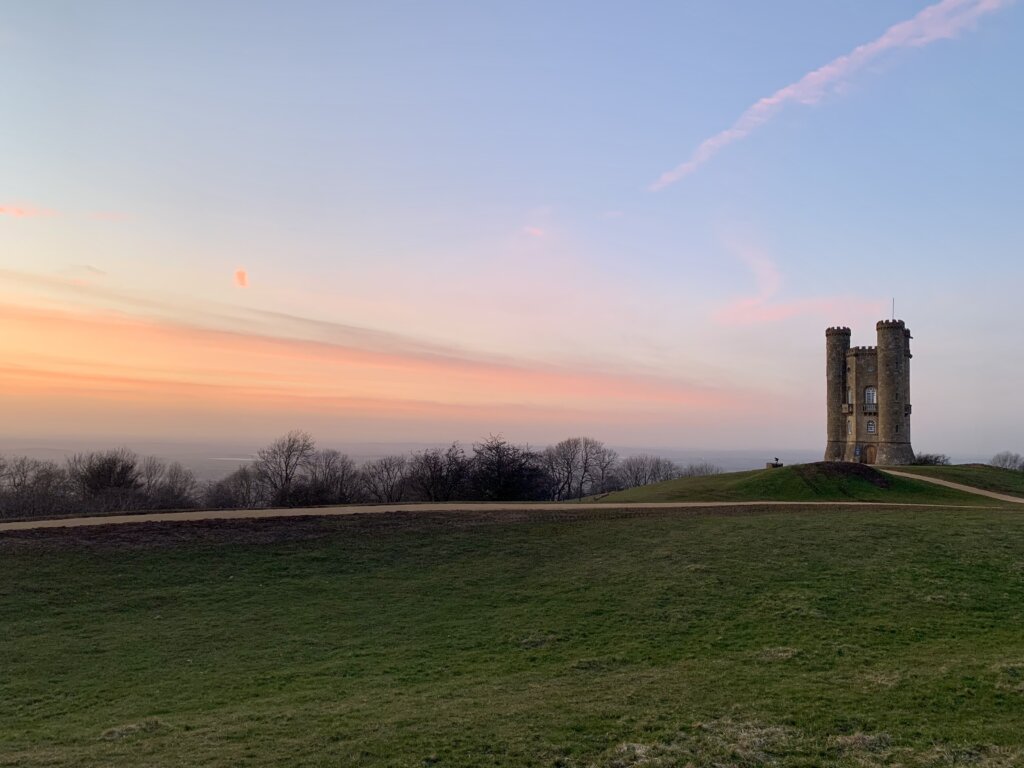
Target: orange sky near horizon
98 370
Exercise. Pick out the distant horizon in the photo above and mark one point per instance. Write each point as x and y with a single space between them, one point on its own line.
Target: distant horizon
200 457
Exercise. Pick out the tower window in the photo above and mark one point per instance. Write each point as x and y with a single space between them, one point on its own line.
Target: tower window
897 427
849 427
849 395
871 426
871 396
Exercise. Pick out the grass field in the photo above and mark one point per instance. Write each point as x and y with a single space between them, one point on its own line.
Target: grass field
857 637
977 475
802 482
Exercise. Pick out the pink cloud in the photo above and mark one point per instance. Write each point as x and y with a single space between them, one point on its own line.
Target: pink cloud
534 231
762 308
940 21
241 278
754 311
24 212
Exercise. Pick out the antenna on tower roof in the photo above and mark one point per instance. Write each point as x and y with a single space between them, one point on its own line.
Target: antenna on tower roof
893 307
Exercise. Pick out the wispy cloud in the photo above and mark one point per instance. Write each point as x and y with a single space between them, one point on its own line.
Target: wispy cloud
82 274
24 211
241 278
381 359
940 21
53 358
763 306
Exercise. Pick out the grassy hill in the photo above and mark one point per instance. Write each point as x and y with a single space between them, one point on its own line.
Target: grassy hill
976 475
821 481
746 637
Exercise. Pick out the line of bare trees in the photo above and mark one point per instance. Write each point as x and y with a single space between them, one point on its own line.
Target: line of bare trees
101 481
293 471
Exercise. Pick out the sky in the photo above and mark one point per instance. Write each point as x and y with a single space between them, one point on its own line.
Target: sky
405 221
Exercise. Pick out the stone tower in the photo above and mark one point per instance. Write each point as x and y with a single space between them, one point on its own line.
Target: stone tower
867 396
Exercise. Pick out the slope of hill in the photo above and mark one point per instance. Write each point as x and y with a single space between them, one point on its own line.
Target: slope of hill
820 481
982 476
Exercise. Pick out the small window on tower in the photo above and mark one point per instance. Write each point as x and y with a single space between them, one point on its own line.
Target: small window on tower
871 427
897 427
849 427
871 396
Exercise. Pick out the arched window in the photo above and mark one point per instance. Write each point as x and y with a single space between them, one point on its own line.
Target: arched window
871 426
849 427
871 396
849 396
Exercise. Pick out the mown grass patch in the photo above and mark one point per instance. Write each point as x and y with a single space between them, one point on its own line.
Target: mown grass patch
775 638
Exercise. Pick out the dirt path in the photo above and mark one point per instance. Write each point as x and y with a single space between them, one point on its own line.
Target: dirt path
362 509
957 486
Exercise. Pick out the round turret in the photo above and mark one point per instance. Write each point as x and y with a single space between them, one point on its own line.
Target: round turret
893 393
837 344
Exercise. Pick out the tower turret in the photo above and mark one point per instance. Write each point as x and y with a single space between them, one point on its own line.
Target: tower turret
837 344
893 393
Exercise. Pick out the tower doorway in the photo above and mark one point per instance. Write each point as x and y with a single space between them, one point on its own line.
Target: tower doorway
870 454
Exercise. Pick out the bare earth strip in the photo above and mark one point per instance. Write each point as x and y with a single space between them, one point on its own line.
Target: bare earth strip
359 509
958 486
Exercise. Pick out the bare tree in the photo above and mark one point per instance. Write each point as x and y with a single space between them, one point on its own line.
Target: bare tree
604 470
176 490
106 480
563 463
700 469
439 475
384 478
330 478
33 488
1008 460
502 471
151 474
645 469
279 465
239 490
578 466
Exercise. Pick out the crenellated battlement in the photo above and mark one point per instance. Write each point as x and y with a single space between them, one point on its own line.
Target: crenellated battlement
887 324
862 350
837 330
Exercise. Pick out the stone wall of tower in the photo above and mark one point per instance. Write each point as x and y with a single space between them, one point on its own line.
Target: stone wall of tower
837 343
893 393
862 372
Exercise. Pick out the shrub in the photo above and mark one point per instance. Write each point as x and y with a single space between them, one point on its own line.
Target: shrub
930 460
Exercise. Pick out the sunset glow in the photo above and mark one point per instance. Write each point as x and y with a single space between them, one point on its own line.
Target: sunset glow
441 224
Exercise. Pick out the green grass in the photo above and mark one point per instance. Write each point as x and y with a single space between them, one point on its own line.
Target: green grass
829 638
801 482
983 476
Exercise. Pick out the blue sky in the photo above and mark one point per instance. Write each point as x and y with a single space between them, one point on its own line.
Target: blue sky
477 177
